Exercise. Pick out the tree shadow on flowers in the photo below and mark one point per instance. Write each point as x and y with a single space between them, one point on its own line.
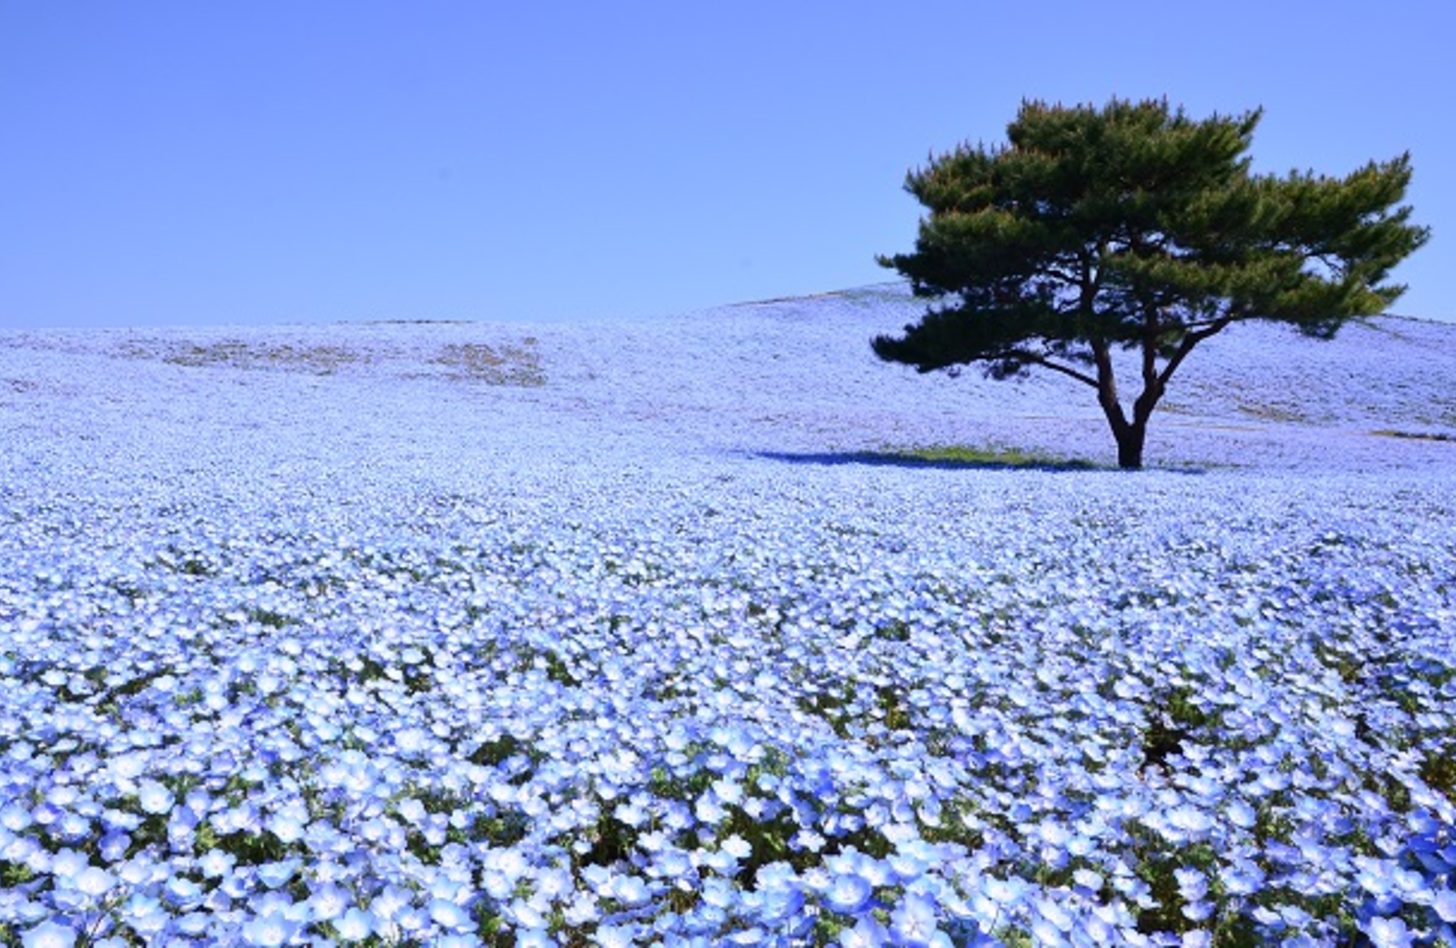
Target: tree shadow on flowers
958 461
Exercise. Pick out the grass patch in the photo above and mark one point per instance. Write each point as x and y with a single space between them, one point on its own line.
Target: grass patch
971 456
954 457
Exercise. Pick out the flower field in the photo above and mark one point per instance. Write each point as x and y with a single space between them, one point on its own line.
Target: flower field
662 633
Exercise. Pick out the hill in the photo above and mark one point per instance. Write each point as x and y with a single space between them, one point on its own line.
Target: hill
791 377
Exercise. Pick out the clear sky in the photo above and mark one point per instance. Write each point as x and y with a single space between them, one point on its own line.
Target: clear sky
265 162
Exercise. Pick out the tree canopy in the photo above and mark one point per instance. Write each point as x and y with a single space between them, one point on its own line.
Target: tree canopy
1134 227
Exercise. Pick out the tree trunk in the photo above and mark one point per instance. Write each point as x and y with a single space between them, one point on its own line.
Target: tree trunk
1130 440
1129 434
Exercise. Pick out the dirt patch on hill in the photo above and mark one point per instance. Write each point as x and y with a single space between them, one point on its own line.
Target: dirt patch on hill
502 364
317 359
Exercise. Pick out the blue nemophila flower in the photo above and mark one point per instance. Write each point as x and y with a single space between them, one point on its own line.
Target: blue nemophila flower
1087 880
1186 823
866 933
67 864
1240 814
154 798
356 924
15 818
1192 884
328 901
1388 933
1241 877
93 882
275 927
447 914
113 846
276 874
1052 922
848 893
1197 910
49 935
1444 904
1377 876
183 892
914 921
615 936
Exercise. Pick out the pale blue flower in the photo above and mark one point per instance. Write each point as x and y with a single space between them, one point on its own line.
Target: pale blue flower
94 882
913 921
866 933
288 827
328 901
49 935
1197 911
67 864
184 892
630 890
356 924
276 874
470 941
216 863
447 914
848 893
270 930
1188 822
1388 933
1444 904
113 846
737 847
154 798
614 936
1055 914
15 818
1192 884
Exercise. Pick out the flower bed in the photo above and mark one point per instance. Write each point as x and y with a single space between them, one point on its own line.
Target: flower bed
617 690
757 714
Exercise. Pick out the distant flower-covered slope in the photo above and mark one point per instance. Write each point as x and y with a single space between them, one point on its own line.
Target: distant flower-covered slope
782 375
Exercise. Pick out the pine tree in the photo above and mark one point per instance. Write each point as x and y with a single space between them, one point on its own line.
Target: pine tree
1133 227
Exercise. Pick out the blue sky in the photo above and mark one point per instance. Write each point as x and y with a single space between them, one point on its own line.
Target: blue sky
166 163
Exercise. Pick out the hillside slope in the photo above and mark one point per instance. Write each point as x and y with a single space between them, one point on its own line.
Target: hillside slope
786 377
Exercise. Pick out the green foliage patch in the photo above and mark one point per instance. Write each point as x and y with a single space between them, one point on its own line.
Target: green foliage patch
993 456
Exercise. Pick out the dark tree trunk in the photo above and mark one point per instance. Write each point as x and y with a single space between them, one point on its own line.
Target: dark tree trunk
1129 434
1130 438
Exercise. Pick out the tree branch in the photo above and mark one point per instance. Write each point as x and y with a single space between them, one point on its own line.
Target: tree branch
1150 348
1031 358
1200 325
1186 346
